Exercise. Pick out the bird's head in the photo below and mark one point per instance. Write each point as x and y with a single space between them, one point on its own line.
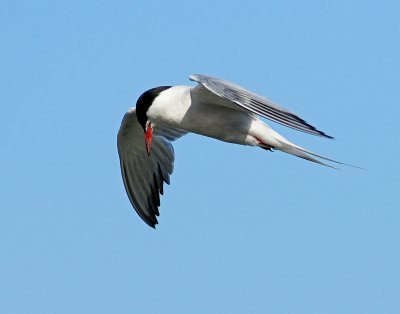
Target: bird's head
143 104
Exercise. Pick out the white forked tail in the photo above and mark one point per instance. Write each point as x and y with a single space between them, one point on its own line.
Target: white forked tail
302 153
285 146
290 148
269 138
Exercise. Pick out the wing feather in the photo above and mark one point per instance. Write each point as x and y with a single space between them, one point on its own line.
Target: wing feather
254 103
144 175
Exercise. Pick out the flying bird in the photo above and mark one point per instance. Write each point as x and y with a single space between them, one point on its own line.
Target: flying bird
215 108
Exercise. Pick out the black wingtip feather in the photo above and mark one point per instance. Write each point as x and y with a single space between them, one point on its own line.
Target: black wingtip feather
151 221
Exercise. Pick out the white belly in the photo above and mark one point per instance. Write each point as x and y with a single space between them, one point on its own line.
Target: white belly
175 109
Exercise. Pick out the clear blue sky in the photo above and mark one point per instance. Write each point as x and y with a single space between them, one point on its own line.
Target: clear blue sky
241 230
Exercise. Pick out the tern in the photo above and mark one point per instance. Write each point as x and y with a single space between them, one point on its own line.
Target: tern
215 108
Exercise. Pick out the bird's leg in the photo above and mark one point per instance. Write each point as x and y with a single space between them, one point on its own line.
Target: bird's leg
263 145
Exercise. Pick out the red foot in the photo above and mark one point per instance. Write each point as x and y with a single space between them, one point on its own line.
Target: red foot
263 145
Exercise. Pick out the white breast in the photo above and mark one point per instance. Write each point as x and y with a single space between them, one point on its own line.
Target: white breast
170 106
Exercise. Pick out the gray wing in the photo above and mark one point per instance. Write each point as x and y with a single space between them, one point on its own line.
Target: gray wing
144 175
254 103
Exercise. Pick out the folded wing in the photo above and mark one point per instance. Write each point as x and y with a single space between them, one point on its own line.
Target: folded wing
254 103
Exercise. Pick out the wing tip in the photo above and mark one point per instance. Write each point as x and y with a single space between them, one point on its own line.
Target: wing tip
150 222
153 226
326 135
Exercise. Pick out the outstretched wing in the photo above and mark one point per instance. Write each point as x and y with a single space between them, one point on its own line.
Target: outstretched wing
144 175
254 103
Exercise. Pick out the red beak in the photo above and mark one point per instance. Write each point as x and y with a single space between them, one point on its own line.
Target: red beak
148 137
